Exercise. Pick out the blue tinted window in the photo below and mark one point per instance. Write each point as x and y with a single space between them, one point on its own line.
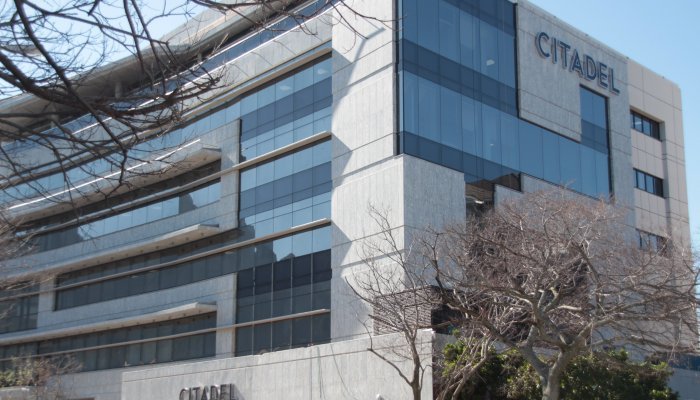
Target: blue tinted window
594 122
467 39
649 183
187 272
531 147
451 118
506 58
570 162
428 23
449 30
429 106
510 141
469 127
191 345
478 74
492 134
550 148
645 125
489 63
410 103
602 173
288 191
287 111
409 17
588 171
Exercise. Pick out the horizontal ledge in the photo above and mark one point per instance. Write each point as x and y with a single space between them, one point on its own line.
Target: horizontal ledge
186 310
170 239
143 174
222 249
284 149
177 335
281 318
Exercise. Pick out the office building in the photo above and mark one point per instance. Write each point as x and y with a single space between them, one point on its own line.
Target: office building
224 271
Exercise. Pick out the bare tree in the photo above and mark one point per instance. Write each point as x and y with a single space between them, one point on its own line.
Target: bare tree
553 276
42 376
405 304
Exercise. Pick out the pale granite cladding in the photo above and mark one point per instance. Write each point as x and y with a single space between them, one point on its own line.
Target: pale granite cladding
548 89
659 99
548 86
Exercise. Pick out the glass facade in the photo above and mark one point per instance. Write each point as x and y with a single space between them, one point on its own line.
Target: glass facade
276 278
175 205
148 344
113 202
287 278
458 102
290 190
295 107
289 286
18 308
288 109
148 276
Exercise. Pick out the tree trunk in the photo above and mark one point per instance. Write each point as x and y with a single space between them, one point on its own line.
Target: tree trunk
550 391
550 383
416 383
416 391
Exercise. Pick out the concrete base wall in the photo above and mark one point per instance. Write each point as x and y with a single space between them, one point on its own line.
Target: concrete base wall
344 370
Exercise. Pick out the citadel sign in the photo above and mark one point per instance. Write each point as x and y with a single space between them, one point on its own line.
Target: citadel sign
569 58
214 392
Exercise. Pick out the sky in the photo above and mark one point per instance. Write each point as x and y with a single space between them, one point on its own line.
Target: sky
662 36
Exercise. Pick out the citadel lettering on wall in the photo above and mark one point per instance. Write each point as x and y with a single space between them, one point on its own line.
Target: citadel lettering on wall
213 392
569 58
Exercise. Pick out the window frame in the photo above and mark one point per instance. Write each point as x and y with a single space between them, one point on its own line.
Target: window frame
654 125
642 179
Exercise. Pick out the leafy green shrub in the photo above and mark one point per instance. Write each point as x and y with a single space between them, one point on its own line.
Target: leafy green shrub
595 376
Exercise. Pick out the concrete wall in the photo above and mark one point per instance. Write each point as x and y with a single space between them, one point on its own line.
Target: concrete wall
364 141
660 99
345 370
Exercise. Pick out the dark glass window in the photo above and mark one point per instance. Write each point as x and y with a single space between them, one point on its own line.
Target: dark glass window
18 308
282 335
458 102
295 107
292 285
179 136
242 259
594 120
154 350
649 183
288 191
652 242
645 125
168 207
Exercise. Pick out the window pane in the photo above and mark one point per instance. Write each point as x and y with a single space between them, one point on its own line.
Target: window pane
301 332
244 341
262 337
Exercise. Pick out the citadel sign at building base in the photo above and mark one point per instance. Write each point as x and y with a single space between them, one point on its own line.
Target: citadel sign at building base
214 392
584 65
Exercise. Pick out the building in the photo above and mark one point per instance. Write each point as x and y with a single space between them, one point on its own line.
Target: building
228 274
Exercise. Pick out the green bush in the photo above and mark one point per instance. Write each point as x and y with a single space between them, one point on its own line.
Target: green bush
596 376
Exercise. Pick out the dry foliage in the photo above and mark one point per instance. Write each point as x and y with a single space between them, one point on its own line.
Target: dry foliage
550 275
558 275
